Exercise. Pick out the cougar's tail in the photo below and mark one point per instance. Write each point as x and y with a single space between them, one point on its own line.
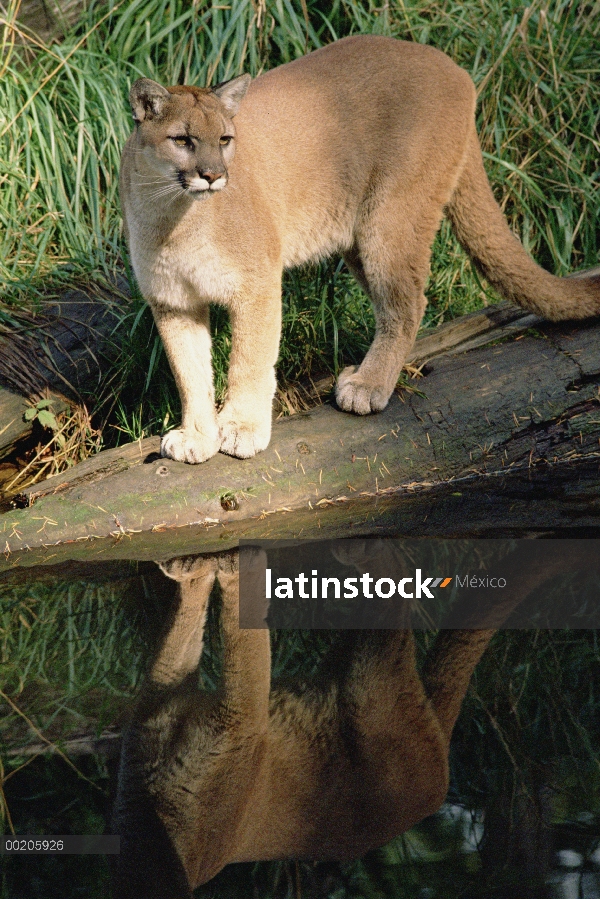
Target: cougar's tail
484 233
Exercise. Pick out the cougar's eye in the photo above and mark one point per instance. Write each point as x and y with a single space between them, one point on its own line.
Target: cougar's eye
181 141
225 140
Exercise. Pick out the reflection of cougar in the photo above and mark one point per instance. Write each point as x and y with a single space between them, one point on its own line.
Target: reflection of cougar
325 770
356 148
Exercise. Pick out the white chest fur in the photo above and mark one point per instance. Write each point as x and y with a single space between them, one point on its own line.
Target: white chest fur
181 266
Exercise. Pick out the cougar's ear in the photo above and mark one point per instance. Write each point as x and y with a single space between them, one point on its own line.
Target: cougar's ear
231 93
147 99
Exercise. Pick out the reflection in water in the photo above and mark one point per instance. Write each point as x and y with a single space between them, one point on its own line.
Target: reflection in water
326 769
72 644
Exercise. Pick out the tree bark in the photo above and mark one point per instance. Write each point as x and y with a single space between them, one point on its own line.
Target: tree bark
60 352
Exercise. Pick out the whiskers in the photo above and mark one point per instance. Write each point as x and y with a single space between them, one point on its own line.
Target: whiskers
162 189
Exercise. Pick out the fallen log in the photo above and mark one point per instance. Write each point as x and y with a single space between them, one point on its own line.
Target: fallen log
43 21
503 439
60 352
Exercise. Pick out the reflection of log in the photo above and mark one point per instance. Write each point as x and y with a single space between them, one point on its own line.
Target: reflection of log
500 439
107 744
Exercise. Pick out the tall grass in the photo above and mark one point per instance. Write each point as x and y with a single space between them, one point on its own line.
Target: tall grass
64 119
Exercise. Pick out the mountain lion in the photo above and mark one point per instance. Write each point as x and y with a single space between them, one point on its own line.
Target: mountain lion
326 768
358 148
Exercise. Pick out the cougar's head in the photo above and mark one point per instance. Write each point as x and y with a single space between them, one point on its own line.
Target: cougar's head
187 133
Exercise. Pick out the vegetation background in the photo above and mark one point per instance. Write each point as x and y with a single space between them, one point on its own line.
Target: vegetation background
526 749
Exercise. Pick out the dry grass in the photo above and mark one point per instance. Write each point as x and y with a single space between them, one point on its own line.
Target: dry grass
68 439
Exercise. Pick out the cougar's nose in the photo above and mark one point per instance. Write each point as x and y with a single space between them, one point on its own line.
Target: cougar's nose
211 177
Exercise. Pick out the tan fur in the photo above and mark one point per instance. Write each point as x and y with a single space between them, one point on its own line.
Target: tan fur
326 769
357 148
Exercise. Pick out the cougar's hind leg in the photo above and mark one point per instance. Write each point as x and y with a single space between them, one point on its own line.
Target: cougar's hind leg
389 701
391 261
399 751
448 670
381 675
354 263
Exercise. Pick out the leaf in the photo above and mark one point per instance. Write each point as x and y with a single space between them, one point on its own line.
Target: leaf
43 404
30 413
47 420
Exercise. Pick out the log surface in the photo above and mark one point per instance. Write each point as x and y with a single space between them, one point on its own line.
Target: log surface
501 439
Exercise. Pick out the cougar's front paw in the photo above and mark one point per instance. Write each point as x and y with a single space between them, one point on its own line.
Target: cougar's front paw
354 393
243 437
186 445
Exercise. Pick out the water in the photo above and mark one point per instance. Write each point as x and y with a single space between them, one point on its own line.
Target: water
523 816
